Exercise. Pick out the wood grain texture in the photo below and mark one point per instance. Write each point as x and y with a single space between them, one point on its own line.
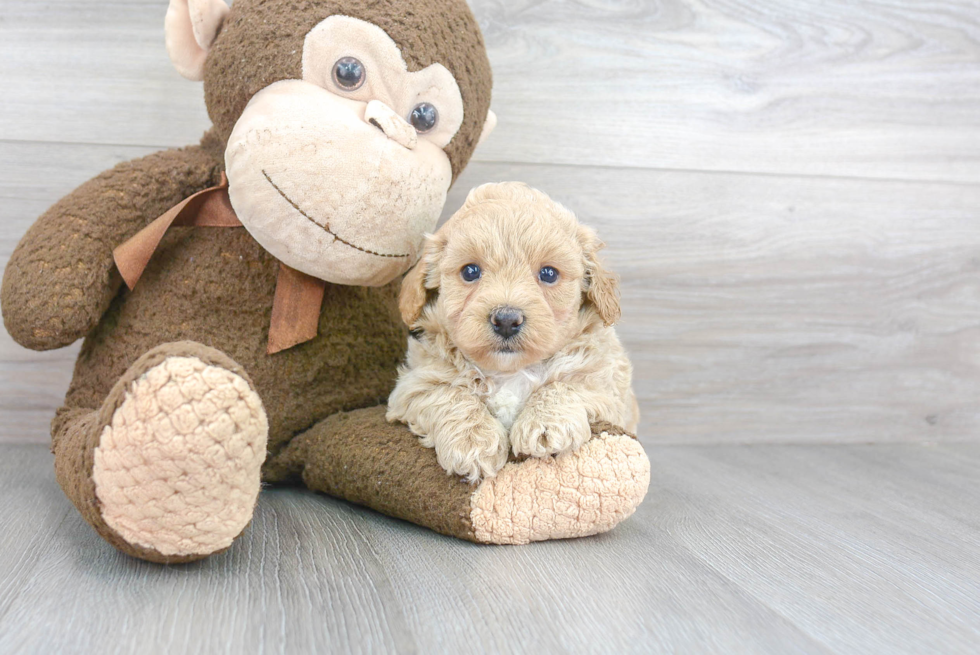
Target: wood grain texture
93 72
765 549
862 88
869 88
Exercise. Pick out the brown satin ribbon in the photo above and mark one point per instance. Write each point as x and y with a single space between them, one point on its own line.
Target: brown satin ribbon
295 310
296 306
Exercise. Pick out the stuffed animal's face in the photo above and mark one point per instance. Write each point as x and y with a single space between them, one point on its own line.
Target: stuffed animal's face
329 173
342 164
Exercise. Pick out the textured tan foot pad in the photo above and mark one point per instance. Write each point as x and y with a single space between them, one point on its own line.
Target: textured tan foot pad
572 495
178 468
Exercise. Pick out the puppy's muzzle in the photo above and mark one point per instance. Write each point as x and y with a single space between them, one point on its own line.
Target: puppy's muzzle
507 321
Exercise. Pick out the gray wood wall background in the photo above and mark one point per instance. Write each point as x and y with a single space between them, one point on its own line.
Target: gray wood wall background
790 191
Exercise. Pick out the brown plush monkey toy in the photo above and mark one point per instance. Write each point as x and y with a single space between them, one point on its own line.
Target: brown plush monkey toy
238 299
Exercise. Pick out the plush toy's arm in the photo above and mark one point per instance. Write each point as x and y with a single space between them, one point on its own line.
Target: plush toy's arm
61 277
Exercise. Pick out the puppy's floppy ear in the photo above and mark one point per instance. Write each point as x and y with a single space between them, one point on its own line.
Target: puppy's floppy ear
601 285
420 280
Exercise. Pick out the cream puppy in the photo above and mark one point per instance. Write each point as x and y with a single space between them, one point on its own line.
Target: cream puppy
512 348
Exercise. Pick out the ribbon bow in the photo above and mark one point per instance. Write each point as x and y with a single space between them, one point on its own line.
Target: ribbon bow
296 306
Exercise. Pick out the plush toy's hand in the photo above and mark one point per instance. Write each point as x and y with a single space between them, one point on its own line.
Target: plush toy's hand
474 447
552 422
61 277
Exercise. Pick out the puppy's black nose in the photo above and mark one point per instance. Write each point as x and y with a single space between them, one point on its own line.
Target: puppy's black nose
507 321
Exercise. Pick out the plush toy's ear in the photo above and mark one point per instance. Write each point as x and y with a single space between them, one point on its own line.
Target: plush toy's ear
601 285
421 280
191 27
488 126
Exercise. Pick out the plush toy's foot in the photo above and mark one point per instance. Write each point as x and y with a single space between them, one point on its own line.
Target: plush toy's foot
571 495
361 457
169 469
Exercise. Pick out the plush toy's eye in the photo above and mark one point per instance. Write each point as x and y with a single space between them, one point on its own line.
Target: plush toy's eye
471 273
548 275
348 73
424 117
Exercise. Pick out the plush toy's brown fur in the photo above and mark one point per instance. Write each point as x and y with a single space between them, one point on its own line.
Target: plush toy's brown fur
208 292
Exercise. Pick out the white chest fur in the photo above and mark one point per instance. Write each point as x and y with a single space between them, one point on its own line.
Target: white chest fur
507 393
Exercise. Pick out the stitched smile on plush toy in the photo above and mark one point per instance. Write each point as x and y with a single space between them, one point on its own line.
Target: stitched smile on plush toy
326 228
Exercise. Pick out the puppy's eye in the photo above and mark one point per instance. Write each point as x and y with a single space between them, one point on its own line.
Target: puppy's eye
470 273
348 73
548 275
424 117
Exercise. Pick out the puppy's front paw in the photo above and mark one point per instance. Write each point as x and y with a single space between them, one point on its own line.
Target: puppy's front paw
542 430
473 451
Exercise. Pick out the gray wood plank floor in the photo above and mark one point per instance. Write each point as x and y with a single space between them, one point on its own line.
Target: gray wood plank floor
791 194
761 549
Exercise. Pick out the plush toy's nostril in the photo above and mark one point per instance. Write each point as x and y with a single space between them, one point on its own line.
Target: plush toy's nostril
394 126
507 321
